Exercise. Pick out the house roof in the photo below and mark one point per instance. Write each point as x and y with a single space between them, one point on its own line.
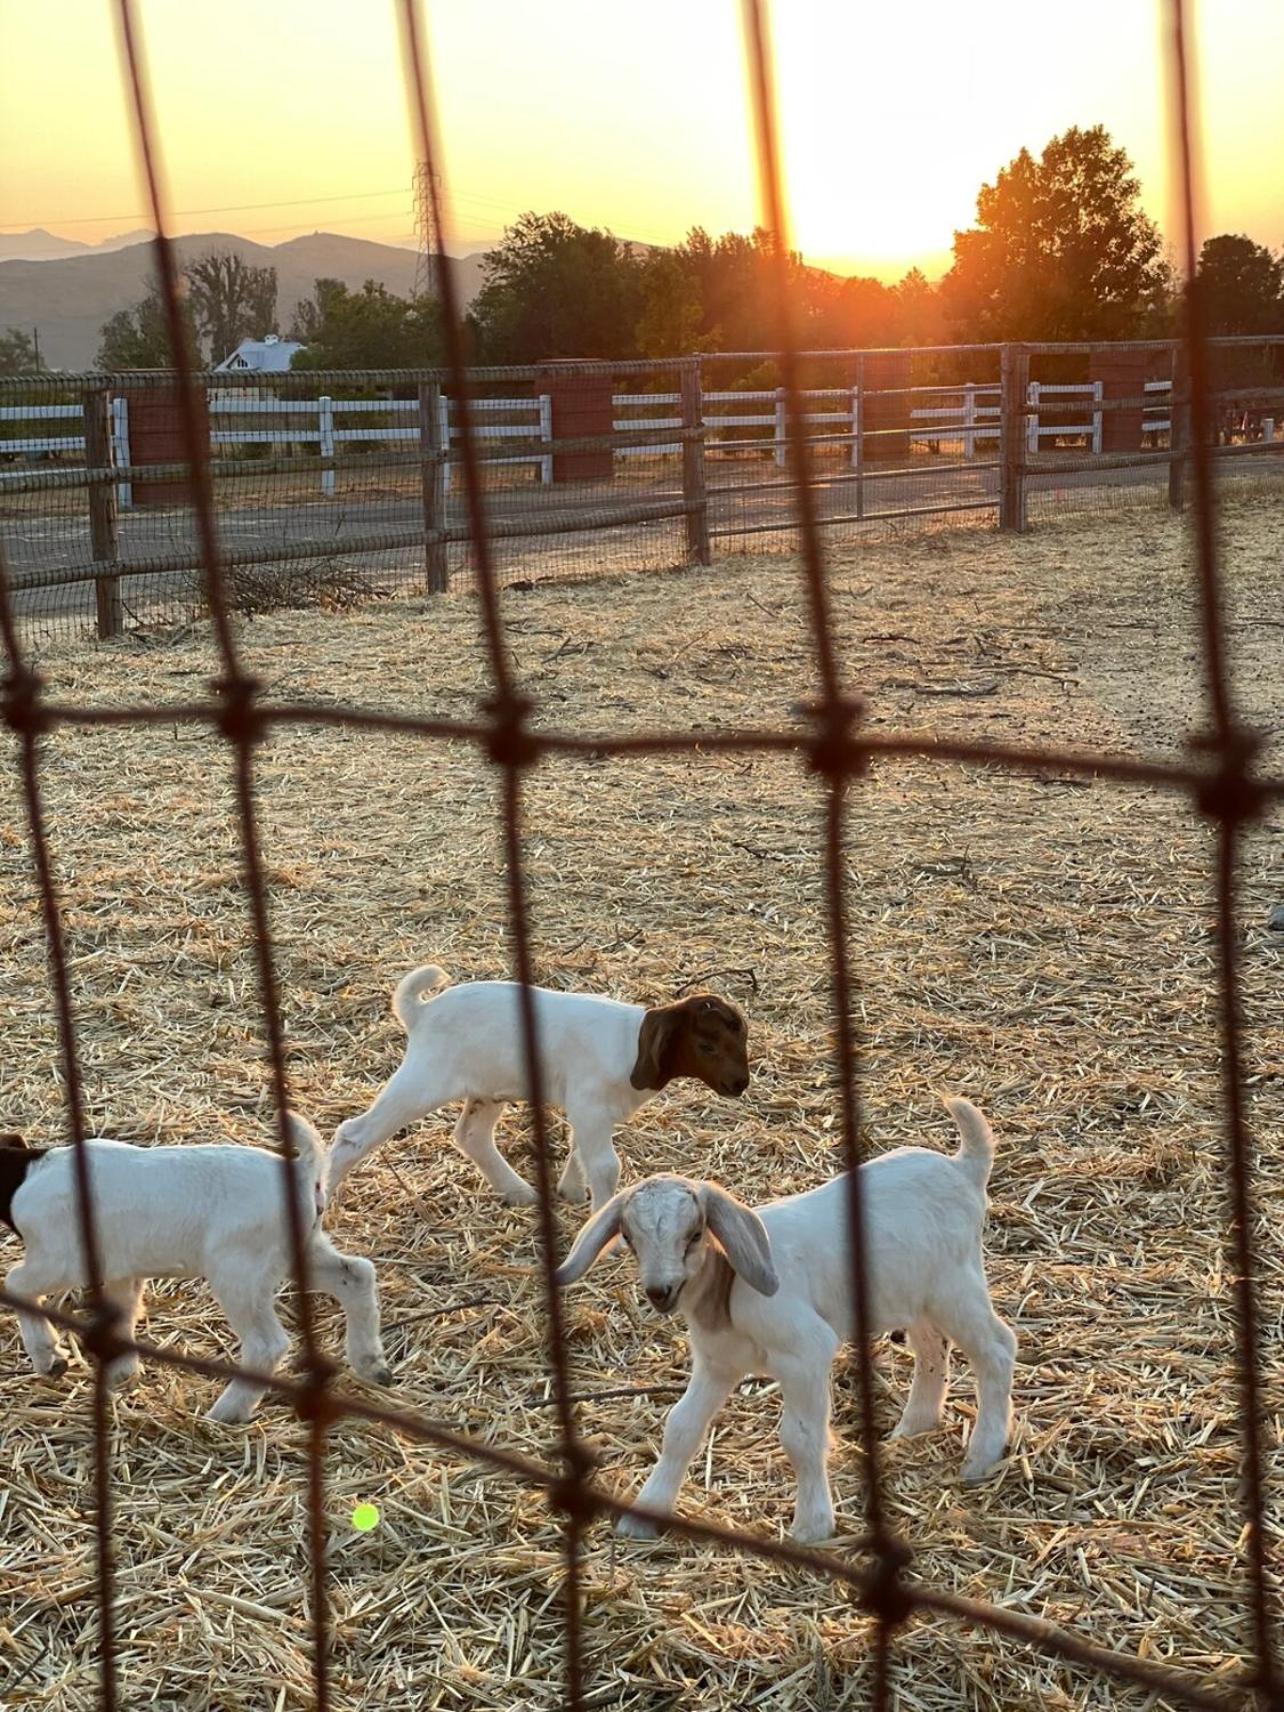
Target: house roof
264 356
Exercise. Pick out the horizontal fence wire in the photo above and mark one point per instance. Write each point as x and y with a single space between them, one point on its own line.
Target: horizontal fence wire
1218 777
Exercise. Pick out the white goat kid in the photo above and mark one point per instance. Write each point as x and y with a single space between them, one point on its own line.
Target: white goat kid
601 1060
203 1211
769 1291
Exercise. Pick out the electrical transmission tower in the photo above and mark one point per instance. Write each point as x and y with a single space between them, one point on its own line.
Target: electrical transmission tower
427 283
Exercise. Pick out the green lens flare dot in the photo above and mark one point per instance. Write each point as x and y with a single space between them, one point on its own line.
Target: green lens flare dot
365 1517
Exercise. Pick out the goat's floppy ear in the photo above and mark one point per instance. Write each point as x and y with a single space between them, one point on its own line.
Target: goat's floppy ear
743 1237
655 1041
593 1238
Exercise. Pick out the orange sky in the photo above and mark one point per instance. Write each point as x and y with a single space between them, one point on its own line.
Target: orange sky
284 116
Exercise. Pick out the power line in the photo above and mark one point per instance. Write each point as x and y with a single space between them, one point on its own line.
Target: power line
183 213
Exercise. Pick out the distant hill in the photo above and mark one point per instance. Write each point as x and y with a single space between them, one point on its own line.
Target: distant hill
69 296
37 245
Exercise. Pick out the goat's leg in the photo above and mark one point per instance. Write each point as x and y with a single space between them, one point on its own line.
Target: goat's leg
926 1401
45 1350
251 1315
352 1282
804 1432
126 1296
687 1423
592 1145
404 1099
990 1345
571 1185
475 1139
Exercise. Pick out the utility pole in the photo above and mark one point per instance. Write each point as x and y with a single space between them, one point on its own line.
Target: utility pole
426 281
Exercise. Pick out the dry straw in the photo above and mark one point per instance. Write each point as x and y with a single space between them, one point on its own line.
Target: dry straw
1038 942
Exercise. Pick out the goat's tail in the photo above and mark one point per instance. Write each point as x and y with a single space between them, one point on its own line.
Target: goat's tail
976 1151
407 1001
309 1149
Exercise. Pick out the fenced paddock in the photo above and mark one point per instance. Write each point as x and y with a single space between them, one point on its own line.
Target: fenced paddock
1121 1013
354 479
1039 941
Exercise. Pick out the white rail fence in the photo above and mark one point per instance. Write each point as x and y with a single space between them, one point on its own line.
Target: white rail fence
961 417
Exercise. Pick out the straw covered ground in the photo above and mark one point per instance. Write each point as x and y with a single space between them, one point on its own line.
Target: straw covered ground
1039 943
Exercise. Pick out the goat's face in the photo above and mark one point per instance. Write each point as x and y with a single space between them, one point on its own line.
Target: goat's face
703 1037
663 1222
672 1224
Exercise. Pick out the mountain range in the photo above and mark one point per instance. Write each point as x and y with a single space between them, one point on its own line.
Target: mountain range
68 292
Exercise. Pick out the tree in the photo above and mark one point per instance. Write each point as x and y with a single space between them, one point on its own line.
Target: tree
1061 249
555 289
230 300
368 329
18 354
138 338
1242 285
670 317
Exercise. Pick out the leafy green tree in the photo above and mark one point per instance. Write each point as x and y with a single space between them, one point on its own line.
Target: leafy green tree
555 289
368 329
230 300
18 354
1061 249
671 315
1243 285
138 338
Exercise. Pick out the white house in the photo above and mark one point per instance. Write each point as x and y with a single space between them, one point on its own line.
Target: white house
272 355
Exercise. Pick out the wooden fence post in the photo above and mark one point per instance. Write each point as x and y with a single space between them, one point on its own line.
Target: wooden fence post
432 453
858 450
694 491
95 403
1178 431
1015 381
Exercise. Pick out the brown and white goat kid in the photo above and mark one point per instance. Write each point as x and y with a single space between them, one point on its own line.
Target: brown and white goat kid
601 1060
210 1211
769 1291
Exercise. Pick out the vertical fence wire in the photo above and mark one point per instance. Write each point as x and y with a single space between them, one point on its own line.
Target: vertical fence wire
836 714
1234 800
24 717
240 727
1218 778
510 747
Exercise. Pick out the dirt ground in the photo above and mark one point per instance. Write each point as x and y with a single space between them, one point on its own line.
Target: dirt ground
1038 942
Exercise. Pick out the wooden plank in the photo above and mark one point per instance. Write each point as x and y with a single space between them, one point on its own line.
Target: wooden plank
96 408
1015 381
694 492
436 570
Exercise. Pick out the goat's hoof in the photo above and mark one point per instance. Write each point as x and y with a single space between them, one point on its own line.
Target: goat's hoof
575 1193
57 1367
637 1528
119 1377
524 1196
229 1414
912 1429
812 1533
976 1474
375 1373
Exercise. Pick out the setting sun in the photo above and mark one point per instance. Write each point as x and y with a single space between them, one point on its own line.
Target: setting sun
891 118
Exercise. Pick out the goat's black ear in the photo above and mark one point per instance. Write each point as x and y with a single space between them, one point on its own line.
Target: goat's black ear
12 1140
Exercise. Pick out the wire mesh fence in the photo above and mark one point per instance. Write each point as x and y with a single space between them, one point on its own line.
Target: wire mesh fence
332 487
834 741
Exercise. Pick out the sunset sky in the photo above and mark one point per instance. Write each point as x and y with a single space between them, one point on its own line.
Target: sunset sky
287 116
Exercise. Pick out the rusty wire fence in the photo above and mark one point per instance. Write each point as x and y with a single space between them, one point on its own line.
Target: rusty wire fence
837 746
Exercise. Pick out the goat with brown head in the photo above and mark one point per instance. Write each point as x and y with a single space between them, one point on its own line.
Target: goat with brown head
703 1037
